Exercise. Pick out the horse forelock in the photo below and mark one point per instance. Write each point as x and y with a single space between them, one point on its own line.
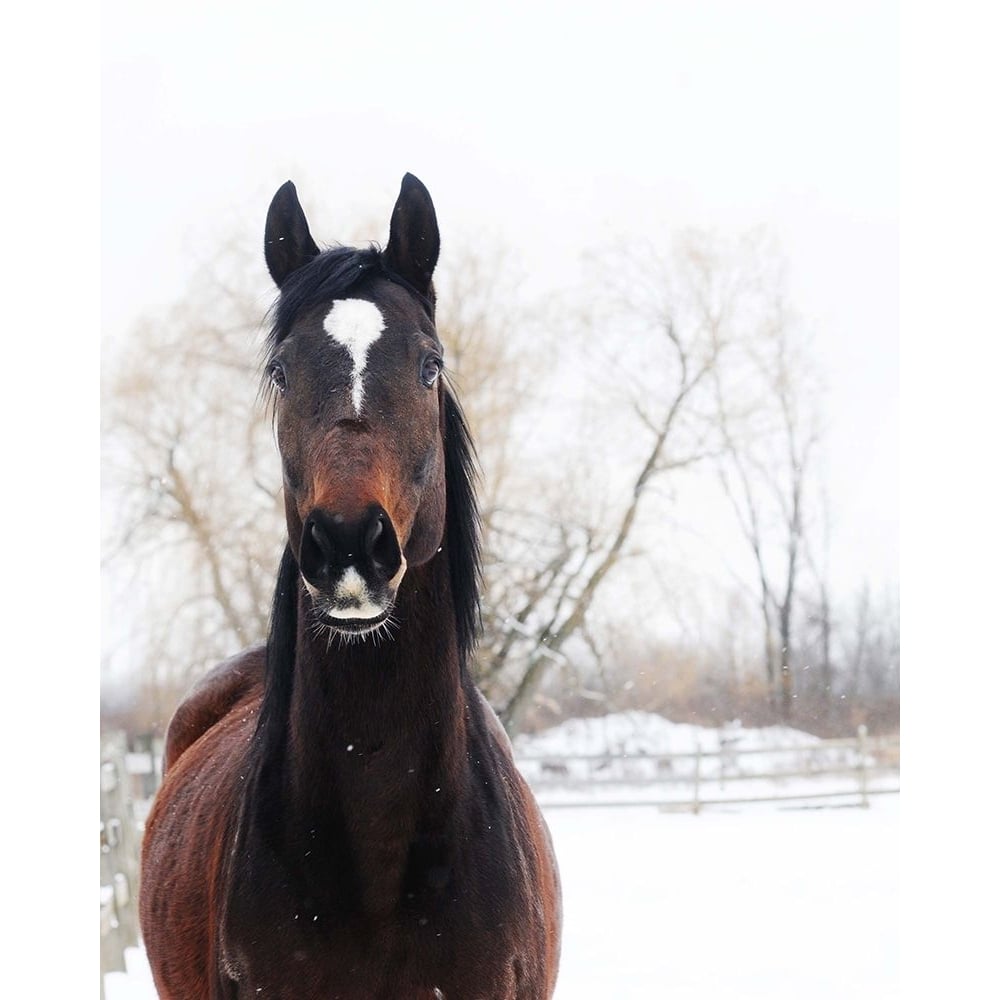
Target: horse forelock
331 275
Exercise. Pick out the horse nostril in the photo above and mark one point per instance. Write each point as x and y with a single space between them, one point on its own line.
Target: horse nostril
372 534
317 551
381 546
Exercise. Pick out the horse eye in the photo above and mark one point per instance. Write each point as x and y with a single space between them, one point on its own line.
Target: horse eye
277 375
430 370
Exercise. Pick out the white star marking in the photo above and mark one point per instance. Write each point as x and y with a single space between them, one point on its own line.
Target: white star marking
355 324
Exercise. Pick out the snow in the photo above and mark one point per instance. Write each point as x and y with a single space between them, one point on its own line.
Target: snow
772 901
136 983
726 905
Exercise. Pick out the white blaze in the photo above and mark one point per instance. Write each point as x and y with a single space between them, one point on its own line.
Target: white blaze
355 324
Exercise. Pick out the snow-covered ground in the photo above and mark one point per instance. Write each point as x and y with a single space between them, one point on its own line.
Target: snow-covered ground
756 903
751 901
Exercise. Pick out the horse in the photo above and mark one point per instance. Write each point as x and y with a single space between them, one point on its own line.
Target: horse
340 814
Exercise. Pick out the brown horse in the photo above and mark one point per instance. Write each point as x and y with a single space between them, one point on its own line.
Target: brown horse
340 814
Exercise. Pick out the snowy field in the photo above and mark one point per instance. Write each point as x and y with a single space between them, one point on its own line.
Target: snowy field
756 902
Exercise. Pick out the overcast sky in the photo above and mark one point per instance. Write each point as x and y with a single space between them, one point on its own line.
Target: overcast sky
555 127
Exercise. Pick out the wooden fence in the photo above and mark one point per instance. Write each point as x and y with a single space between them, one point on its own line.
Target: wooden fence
826 772
129 778
119 856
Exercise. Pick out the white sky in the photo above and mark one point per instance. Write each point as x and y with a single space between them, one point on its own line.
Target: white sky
555 127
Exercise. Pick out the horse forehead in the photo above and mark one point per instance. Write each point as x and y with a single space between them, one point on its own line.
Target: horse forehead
355 324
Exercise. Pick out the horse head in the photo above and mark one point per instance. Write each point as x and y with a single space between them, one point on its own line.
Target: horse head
355 362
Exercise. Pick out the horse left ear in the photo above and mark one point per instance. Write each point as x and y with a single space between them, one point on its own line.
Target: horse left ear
288 243
414 242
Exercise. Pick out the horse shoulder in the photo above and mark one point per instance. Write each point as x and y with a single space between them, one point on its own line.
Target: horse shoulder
494 726
211 698
527 805
540 968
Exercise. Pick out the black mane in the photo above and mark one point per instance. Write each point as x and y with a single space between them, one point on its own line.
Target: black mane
329 275
462 527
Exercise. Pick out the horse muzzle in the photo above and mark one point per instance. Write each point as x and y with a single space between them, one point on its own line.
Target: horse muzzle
352 567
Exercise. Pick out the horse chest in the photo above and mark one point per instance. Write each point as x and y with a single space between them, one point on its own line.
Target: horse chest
451 926
451 951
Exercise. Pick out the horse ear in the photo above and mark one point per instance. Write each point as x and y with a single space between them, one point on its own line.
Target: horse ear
414 242
287 241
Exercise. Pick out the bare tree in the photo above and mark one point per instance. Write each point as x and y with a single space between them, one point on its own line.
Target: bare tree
491 337
189 476
673 322
769 419
870 647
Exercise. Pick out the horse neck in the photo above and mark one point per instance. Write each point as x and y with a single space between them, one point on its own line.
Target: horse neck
374 747
369 700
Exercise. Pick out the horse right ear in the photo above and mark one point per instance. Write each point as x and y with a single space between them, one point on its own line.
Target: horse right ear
287 241
414 243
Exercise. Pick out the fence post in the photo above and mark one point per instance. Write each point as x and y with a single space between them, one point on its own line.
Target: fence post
863 763
696 806
119 858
